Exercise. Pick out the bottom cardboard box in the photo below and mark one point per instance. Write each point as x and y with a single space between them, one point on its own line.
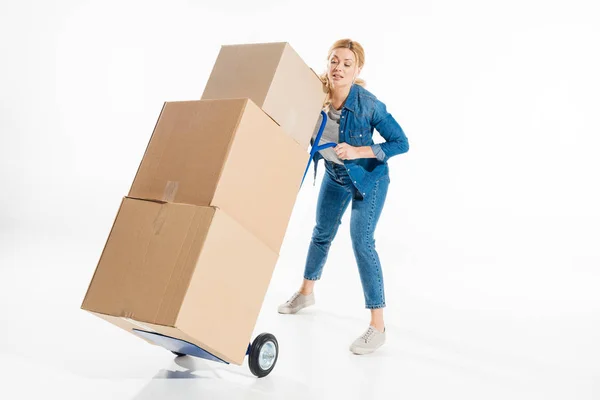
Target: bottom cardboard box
184 271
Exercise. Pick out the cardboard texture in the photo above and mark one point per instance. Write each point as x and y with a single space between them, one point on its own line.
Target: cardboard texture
189 272
275 77
228 154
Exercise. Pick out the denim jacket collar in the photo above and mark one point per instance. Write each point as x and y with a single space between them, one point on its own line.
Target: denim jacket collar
351 99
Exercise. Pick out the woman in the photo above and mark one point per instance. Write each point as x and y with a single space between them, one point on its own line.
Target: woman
357 170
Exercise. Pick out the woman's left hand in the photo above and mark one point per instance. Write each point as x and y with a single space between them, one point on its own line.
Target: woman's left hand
346 152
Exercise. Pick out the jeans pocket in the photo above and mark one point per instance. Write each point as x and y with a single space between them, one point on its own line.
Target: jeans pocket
384 178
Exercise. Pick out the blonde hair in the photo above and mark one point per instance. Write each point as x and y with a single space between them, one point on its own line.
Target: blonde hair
359 53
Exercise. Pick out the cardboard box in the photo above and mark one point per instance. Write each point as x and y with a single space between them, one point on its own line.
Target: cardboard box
185 271
228 154
275 77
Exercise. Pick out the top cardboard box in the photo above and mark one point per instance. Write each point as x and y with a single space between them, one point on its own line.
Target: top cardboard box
275 77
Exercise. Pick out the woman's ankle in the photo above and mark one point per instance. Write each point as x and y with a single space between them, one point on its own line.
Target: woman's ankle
380 326
307 287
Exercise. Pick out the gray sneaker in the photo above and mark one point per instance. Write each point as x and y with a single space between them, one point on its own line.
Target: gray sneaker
296 303
368 342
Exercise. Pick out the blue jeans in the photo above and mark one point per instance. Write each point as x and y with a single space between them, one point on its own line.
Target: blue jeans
336 192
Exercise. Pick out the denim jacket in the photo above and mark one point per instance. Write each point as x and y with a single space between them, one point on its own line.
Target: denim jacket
363 112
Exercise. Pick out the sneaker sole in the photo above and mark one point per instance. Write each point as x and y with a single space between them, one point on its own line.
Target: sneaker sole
295 310
361 351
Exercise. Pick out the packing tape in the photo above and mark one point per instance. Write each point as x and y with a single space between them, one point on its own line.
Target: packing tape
159 221
170 191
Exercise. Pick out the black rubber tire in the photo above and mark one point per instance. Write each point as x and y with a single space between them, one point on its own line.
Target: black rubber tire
257 344
178 354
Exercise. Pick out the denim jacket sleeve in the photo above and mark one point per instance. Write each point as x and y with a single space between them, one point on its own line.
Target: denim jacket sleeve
396 141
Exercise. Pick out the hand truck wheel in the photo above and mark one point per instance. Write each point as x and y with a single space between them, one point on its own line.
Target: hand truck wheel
263 355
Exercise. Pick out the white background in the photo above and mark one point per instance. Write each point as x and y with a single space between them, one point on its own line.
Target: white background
488 240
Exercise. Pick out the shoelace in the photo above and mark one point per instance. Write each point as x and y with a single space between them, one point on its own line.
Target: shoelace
368 334
294 297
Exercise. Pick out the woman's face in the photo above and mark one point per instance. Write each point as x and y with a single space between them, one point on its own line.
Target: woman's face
342 67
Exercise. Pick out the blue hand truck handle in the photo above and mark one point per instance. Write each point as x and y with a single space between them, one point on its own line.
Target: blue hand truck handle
315 147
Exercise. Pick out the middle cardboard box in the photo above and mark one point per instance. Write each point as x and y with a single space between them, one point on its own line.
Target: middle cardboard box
228 154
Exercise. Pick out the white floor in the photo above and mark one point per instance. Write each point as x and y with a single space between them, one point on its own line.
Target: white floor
456 335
